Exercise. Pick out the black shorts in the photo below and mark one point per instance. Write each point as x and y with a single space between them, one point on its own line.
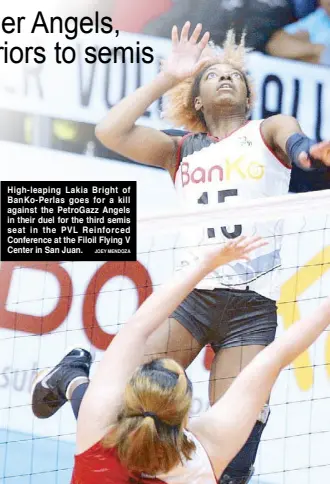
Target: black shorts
225 318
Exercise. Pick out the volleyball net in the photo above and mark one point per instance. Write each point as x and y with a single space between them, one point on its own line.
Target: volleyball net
46 307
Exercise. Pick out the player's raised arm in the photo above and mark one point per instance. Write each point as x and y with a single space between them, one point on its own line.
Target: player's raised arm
100 406
224 429
118 131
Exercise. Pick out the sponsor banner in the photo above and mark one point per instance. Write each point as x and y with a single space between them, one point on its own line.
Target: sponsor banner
45 307
84 92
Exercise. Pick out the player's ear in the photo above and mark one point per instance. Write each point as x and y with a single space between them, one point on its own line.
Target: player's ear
198 103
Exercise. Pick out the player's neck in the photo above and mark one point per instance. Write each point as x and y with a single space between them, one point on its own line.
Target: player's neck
222 126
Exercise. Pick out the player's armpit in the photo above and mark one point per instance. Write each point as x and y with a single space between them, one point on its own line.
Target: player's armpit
276 131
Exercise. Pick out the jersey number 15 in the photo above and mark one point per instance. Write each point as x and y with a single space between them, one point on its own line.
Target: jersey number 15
222 195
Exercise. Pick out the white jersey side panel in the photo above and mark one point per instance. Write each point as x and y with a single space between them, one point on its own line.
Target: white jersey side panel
198 470
239 167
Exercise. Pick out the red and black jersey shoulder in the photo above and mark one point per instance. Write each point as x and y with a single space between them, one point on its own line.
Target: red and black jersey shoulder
192 142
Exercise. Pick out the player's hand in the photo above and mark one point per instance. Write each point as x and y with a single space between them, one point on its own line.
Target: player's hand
319 151
186 58
237 249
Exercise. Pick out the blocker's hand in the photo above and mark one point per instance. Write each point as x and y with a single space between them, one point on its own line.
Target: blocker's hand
236 249
185 58
319 151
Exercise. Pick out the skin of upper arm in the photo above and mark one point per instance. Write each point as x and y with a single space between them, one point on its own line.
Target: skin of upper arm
276 130
225 427
144 145
103 399
281 39
274 41
301 35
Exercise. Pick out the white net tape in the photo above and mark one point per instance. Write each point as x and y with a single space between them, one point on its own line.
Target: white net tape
269 208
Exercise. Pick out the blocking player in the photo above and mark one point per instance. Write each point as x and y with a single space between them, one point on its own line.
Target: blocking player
133 423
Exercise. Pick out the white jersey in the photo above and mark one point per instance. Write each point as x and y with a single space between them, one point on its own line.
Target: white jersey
213 171
197 470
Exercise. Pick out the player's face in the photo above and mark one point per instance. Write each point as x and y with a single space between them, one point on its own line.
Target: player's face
326 5
222 84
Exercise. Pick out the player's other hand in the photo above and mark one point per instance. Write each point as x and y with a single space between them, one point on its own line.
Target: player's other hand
186 58
237 249
319 151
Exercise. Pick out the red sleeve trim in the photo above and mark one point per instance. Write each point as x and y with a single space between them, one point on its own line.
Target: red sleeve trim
272 151
178 153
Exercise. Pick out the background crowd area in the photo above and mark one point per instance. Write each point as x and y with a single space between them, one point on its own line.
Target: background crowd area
298 30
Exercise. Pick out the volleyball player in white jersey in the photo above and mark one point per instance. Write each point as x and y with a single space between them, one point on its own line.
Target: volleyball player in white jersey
224 156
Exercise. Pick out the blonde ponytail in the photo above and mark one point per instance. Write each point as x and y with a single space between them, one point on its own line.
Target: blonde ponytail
149 435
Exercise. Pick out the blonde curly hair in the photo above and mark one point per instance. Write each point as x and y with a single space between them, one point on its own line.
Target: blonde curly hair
179 107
